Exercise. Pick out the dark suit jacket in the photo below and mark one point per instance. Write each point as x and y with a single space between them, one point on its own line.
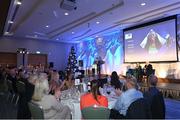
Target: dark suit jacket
139 109
156 100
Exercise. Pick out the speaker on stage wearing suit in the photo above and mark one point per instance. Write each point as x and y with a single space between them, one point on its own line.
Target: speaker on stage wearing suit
80 63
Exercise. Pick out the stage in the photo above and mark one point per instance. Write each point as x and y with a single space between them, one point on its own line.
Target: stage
169 90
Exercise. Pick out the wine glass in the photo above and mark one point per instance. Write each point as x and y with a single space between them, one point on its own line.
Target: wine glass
108 90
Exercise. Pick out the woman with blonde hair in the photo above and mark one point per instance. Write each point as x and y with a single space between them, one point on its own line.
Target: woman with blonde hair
41 85
52 107
54 83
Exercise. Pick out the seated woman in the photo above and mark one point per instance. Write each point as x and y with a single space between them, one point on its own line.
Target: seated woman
54 82
67 83
115 82
52 107
41 85
93 97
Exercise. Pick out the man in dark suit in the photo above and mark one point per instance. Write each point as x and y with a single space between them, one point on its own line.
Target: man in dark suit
155 98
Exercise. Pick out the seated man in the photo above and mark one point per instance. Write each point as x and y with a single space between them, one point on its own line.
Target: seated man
155 98
127 97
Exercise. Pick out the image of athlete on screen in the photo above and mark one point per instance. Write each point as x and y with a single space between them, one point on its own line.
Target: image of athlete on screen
152 42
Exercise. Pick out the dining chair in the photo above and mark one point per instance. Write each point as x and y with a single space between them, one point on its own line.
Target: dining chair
95 112
36 111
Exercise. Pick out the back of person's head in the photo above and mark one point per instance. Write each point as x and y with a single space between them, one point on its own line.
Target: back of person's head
153 80
131 82
41 87
33 78
114 78
42 76
95 89
114 75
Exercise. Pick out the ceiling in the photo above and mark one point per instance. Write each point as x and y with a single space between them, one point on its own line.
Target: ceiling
46 19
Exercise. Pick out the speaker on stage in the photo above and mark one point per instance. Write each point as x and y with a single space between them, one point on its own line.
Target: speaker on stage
51 64
80 63
93 71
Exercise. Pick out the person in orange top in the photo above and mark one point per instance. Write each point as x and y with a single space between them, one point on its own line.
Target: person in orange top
93 97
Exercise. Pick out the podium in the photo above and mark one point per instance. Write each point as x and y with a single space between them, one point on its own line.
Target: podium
99 63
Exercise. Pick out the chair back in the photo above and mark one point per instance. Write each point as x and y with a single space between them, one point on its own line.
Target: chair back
36 111
139 109
20 87
95 113
158 107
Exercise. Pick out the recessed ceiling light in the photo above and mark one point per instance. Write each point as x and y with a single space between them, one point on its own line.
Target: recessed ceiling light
97 22
10 21
66 13
57 39
73 32
47 26
97 36
18 3
38 52
142 4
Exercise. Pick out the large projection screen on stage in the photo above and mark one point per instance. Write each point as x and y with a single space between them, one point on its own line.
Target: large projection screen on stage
154 42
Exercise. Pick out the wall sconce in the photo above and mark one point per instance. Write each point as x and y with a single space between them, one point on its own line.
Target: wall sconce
22 50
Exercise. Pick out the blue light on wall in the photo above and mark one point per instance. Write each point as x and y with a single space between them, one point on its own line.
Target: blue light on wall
109 47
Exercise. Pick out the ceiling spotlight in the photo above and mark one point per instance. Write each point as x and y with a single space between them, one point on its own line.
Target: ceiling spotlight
66 13
73 32
97 22
18 3
57 39
47 26
97 36
11 22
142 4
38 52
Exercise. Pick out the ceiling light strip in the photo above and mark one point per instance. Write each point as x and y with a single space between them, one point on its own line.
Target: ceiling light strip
27 14
155 10
82 22
66 25
13 17
150 13
86 32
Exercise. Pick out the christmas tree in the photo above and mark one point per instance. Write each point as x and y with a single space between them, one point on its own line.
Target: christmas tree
72 62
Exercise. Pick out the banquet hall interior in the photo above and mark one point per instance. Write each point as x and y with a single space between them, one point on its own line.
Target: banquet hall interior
52 52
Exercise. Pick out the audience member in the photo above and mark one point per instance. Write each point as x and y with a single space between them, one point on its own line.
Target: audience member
23 109
41 85
155 98
127 97
12 77
52 107
55 82
115 82
93 97
68 82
